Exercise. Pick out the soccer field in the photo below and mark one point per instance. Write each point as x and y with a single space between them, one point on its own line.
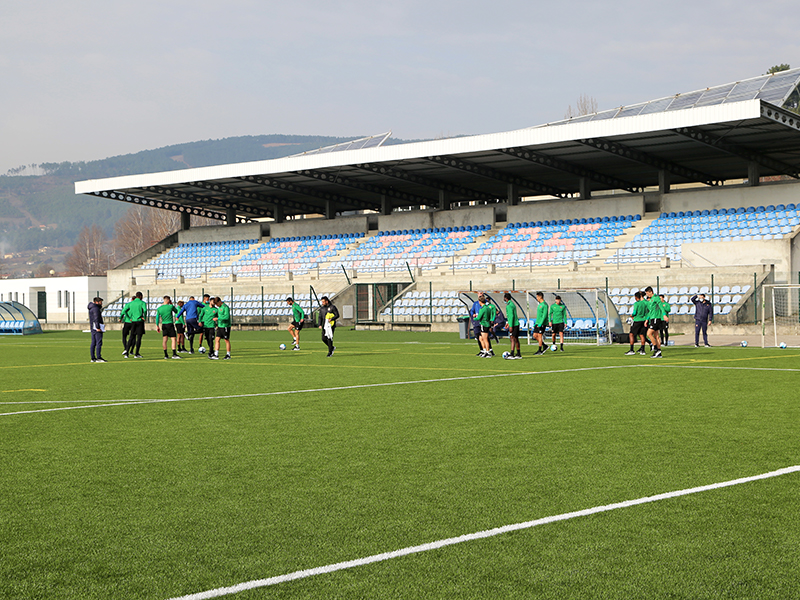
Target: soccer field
157 479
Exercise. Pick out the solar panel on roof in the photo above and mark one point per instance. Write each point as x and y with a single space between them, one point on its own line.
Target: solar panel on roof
779 88
373 141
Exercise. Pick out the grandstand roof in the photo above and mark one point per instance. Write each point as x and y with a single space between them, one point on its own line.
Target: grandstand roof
708 136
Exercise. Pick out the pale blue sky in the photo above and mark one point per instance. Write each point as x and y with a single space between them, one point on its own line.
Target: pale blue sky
89 79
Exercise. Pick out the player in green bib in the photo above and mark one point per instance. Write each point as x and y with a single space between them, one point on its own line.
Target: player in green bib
541 323
297 322
126 330
638 324
655 320
204 333
558 320
512 325
484 318
180 328
208 317
222 320
165 324
666 308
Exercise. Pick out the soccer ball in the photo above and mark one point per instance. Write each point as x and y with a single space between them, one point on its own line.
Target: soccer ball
553 347
506 355
783 345
282 346
201 350
744 343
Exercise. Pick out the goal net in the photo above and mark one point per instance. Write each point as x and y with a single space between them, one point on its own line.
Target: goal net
780 315
590 317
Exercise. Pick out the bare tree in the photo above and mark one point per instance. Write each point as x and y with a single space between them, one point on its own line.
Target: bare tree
88 255
142 227
586 105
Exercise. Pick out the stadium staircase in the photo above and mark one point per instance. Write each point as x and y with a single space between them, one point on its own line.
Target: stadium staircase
627 235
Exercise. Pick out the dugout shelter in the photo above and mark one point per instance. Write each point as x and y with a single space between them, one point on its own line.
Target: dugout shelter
18 319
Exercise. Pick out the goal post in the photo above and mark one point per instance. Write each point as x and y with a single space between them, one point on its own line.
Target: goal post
780 315
591 318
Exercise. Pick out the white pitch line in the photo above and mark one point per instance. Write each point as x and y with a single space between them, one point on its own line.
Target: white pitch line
258 583
103 404
330 389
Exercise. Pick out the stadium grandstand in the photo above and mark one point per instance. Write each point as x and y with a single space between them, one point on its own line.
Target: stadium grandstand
693 192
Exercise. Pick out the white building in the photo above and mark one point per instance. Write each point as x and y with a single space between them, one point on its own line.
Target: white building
55 299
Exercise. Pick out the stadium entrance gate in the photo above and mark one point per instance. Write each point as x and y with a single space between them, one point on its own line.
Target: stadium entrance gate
372 297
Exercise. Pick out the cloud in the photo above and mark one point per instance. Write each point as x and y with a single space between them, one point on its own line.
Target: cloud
89 79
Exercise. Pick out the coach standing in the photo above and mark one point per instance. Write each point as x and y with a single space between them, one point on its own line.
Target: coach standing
136 311
97 328
703 316
327 320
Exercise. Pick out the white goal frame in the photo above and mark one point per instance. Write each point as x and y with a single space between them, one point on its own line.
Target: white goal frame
597 301
771 312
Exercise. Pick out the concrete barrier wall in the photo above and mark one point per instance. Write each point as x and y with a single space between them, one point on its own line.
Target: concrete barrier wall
301 227
216 233
731 197
461 217
548 210
734 254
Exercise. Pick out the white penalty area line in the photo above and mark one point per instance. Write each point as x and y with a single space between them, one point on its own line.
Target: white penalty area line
258 583
307 391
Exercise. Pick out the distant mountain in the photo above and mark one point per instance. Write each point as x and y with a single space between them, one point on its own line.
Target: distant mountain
38 205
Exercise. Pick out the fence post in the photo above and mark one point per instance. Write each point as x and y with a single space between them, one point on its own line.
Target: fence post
262 305
712 289
430 300
755 295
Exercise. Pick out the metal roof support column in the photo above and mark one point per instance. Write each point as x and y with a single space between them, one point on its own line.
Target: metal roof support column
330 210
278 214
513 194
386 205
444 200
230 217
663 181
753 174
186 221
585 187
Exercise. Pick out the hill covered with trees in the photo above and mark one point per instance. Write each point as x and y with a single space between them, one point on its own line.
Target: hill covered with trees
42 209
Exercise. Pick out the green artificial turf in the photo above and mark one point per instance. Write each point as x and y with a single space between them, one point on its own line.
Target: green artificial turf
231 481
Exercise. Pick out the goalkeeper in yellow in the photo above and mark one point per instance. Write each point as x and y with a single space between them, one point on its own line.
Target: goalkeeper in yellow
328 316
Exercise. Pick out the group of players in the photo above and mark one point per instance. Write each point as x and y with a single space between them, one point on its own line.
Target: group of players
209 319
649 324
484 314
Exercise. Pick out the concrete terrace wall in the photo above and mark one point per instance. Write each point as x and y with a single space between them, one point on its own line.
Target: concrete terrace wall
426 219
301 227
548 210
214 233
744 254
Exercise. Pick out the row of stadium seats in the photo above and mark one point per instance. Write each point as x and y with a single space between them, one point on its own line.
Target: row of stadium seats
547 243
682 310
683 290
299 255
196 258
664 236
674 300
520 244
422 248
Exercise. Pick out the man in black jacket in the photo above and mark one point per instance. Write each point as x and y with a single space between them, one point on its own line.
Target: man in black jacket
703 315
96 326
327 320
